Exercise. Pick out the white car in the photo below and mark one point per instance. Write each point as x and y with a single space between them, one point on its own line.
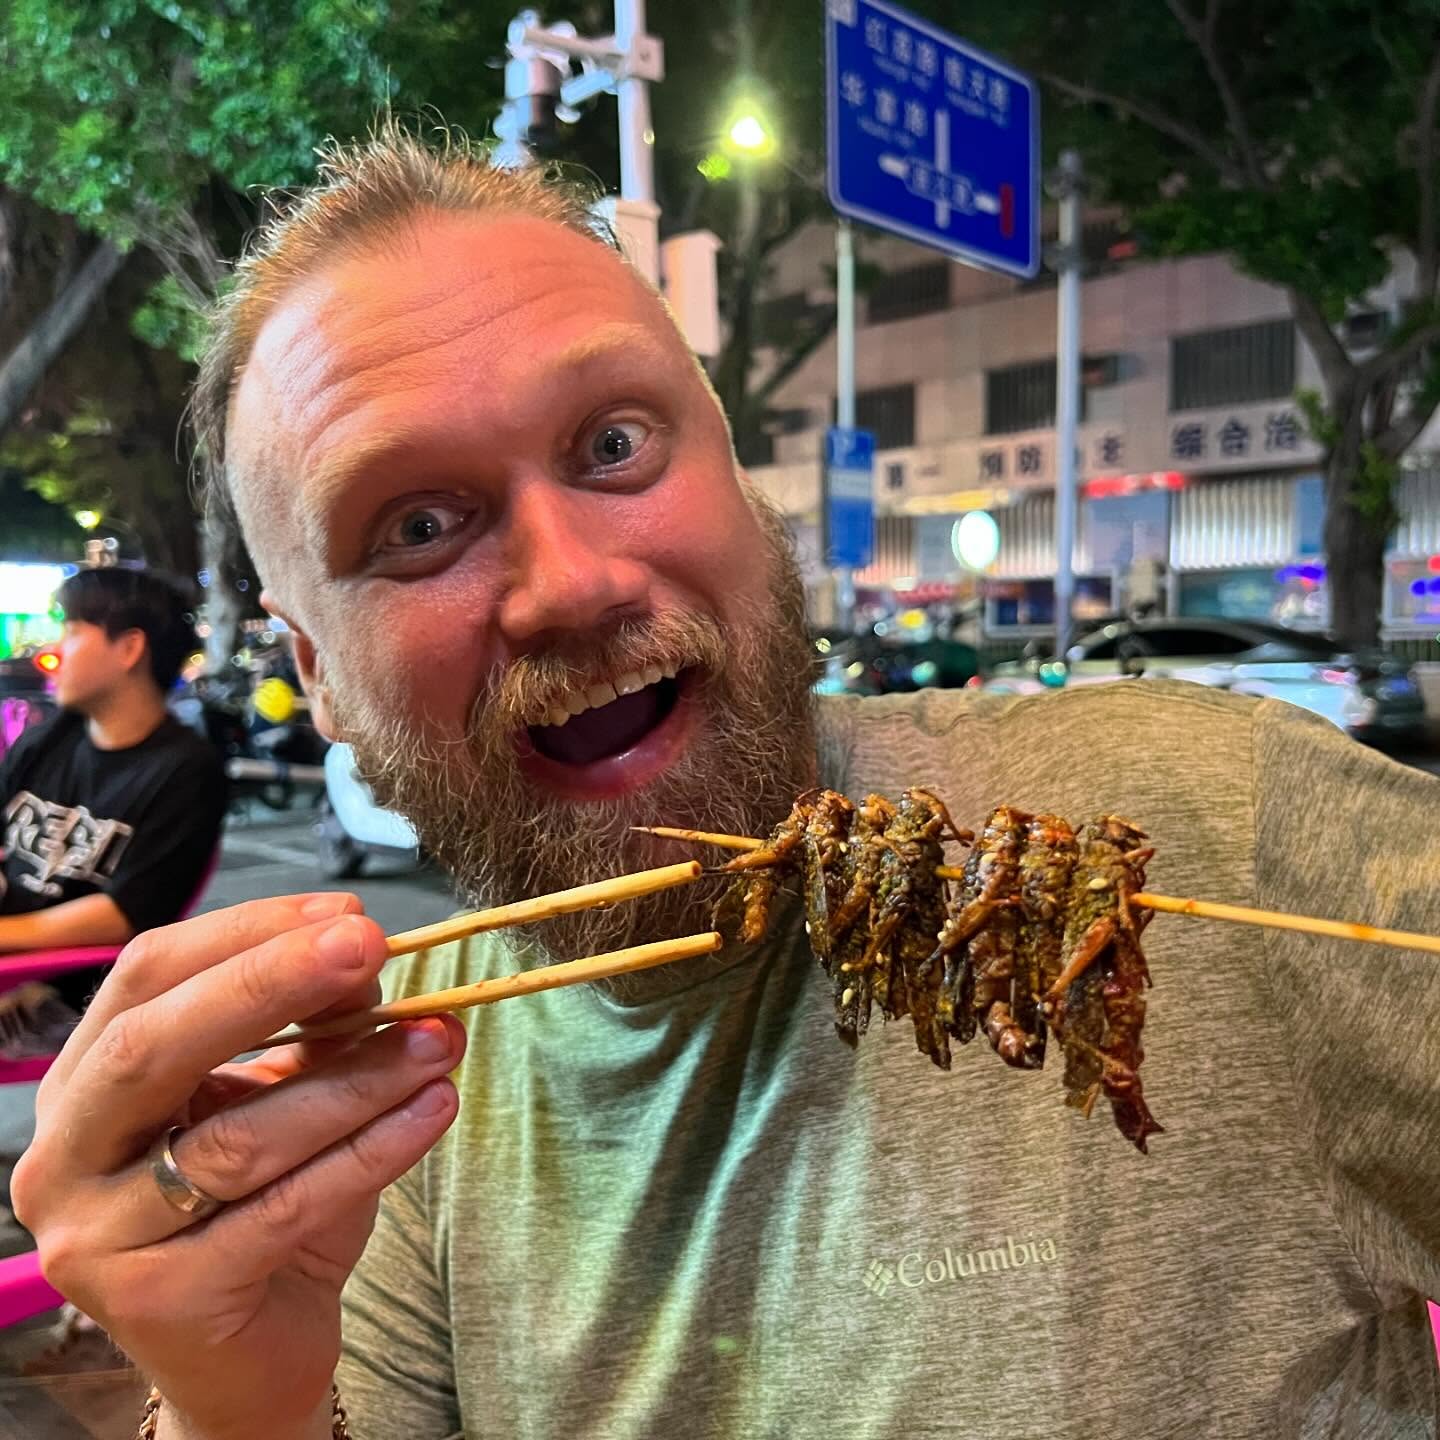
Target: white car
1373 697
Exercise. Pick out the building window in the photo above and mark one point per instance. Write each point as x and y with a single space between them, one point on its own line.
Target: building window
889 413
917 290
1234 366
1022 397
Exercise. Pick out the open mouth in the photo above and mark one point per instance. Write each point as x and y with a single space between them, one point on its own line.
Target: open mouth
613 736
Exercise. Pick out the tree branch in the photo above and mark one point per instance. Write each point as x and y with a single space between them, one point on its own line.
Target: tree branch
1389 362
1202 36
1429 255
795 357
1157 120
1336 367
1404 432
52 331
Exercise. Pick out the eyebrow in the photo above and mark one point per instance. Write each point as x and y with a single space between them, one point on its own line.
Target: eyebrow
336 473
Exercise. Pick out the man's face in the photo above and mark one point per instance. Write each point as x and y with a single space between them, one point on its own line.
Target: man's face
92 665
490 491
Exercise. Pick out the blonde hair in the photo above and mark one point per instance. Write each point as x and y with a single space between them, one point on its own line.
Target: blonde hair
364 193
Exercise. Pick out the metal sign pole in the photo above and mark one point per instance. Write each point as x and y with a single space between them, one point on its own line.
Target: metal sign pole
1067 396
637 139
844 391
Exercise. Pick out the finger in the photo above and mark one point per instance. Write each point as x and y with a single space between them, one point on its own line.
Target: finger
278 1129
228 1083
160 959
148 1061
250 1240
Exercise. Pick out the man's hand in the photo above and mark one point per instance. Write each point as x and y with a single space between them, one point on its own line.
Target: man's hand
236 1318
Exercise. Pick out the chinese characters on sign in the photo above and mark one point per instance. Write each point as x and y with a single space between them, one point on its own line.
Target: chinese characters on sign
1188 441
1109 451
1234 438
1282 431
992 464
931 138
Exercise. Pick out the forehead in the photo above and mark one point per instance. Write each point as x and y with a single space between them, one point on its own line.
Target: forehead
455 320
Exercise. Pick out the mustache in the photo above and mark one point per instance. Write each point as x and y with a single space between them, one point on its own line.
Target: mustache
532 685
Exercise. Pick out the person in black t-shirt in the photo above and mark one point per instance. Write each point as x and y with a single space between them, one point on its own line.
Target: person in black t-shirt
110 813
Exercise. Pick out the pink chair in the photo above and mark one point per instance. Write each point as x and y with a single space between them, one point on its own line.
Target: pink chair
28 965
1435 1327
24 1291
39 965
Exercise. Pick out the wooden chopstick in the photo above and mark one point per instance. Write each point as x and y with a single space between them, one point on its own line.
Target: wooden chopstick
1199 909
544 907
504 987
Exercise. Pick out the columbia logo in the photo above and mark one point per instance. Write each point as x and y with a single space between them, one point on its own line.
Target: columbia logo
879 1277
917 1268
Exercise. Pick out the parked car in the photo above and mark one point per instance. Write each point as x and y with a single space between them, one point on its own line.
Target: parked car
871 665
1373 696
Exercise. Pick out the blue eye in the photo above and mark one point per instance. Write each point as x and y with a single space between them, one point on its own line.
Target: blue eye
617 442
418 528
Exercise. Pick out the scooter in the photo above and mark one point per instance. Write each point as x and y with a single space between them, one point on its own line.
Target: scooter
351 827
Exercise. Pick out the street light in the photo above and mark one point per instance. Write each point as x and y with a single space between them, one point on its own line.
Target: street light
749 132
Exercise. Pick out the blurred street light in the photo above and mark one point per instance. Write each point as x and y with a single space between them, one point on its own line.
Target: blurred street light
749 132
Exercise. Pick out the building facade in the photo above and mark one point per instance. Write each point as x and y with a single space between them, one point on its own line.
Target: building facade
1200 486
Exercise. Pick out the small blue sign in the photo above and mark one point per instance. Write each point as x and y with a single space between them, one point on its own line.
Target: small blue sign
849 496
930 138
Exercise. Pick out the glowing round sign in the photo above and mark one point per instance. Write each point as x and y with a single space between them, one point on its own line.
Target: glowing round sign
975 540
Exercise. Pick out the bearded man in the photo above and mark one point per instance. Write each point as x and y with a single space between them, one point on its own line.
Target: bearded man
496 501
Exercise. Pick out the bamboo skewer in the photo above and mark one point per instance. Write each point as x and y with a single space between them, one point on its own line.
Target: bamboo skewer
544 907
504 987
1199 909
601 893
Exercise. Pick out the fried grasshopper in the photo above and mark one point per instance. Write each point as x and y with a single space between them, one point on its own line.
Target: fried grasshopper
1040 939
1096 1004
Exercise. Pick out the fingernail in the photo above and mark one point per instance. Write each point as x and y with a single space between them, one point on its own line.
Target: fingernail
429 1101
340 945
429 1040
322 907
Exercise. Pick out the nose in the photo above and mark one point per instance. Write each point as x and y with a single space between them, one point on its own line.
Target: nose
565 572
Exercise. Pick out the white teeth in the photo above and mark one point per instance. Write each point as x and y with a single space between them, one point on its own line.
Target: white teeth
604 692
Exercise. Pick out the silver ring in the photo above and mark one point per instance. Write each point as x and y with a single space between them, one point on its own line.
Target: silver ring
182 1193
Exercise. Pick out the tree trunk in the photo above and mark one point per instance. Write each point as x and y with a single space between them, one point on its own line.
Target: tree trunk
224 609
27 363
1354 541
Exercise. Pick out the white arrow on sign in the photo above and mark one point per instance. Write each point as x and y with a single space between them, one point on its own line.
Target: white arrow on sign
938 182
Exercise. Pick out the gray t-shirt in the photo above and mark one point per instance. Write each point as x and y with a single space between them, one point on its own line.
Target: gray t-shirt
699 1216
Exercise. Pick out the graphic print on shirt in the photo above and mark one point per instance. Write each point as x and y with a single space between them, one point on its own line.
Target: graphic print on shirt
61 842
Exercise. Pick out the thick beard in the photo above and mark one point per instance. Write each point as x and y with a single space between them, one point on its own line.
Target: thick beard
503 838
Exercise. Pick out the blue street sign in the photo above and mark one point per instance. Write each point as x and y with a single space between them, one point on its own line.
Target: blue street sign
931 138
850 496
